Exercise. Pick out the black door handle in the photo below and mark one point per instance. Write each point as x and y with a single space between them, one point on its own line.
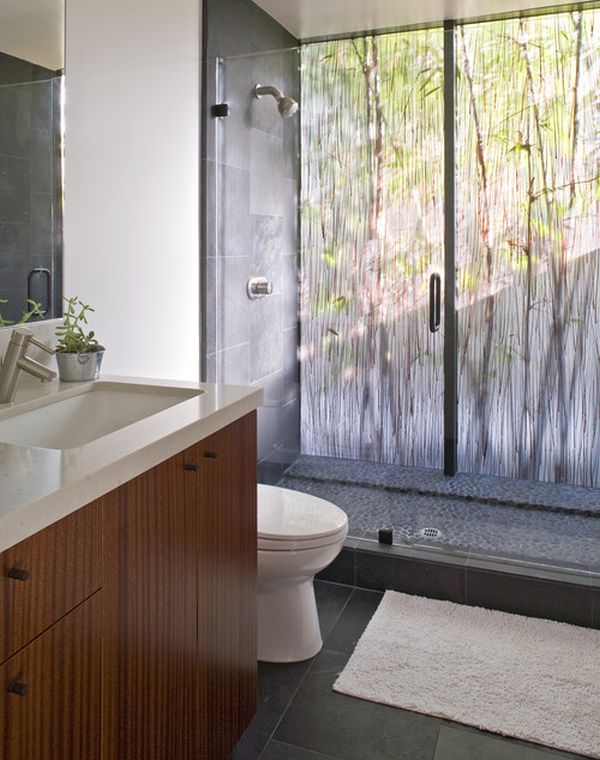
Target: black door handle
47 275
435 302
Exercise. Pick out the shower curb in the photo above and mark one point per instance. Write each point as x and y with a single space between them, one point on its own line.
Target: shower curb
535 591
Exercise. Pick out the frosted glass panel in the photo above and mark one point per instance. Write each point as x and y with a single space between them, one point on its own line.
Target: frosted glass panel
372 235
528 205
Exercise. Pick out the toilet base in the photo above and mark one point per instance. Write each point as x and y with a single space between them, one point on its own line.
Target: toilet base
288 624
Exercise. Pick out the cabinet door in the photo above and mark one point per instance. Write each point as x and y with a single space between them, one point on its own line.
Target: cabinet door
51 692
42 578
222 491
149 588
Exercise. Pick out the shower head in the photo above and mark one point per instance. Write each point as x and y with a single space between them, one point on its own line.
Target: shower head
286 106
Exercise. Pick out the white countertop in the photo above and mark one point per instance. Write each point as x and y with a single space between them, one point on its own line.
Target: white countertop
40 486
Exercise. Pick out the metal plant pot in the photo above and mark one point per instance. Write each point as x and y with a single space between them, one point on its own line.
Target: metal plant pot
78 368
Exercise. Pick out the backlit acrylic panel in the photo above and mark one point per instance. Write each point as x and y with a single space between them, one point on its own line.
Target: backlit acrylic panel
528 247
372 235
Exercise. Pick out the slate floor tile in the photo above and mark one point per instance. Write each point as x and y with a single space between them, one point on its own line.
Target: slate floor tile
353 620
345 728
331 600
276 687
459 744
278 751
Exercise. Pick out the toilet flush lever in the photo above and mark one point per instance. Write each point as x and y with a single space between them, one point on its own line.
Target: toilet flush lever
258 287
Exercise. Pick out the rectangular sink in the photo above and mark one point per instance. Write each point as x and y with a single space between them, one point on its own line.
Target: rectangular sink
96 411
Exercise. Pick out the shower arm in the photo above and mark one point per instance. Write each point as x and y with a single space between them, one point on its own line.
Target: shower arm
261 90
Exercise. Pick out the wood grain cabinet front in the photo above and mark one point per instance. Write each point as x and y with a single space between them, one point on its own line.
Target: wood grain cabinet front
222 495
179 600
48 574
51 691
160 662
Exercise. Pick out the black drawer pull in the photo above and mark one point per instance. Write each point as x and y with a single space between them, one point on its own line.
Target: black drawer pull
18 575
210 454
190 467
17 687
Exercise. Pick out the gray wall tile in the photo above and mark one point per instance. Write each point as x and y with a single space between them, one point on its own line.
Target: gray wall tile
291 233
266 336
290 432
235 27
267 194
209 305
41 223
269 437
290 288
14 188
267 235
30 182
211 124
291 376
234 224
231 365
272 387
250 216
232 308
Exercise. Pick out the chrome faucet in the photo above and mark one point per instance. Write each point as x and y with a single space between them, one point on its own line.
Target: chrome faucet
16 359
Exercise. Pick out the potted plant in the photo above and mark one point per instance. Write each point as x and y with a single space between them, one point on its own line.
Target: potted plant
78 353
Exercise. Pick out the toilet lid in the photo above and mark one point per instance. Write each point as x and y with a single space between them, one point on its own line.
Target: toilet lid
291 515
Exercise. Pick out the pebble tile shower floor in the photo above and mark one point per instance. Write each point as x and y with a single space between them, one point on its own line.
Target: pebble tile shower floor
545 523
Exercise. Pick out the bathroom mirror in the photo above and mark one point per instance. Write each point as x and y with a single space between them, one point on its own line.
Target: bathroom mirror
31 158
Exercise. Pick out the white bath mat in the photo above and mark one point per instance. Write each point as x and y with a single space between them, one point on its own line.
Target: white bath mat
523 677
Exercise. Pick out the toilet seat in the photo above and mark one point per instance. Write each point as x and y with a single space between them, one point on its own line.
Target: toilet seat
291 545
293 521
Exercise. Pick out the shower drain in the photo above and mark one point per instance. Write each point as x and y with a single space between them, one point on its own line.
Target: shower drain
430 533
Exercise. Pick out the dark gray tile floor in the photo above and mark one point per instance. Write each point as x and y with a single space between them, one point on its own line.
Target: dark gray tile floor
300 717
475 515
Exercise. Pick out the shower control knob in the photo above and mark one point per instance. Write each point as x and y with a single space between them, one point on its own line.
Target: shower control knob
258 287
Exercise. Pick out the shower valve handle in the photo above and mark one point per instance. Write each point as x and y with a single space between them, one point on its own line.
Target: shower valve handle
258 287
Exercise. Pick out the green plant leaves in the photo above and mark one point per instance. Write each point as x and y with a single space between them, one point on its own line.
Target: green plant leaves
73 338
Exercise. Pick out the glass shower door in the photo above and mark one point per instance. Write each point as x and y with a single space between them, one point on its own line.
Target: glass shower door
372 232
528 189
253 167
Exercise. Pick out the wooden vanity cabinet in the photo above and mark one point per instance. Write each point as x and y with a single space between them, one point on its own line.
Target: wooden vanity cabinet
47 575
179 600
51 692
160 663
223 490
50 642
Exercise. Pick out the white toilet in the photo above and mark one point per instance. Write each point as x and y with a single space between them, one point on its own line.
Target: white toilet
298 536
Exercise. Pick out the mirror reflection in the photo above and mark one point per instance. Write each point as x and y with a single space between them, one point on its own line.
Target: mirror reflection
31 159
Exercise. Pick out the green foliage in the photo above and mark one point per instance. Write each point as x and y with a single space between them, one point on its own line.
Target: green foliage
35 310
340 302
73 338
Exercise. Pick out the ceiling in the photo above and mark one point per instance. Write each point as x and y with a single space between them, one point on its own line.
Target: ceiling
307 19
33 30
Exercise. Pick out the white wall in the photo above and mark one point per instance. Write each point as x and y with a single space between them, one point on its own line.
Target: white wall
132 179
